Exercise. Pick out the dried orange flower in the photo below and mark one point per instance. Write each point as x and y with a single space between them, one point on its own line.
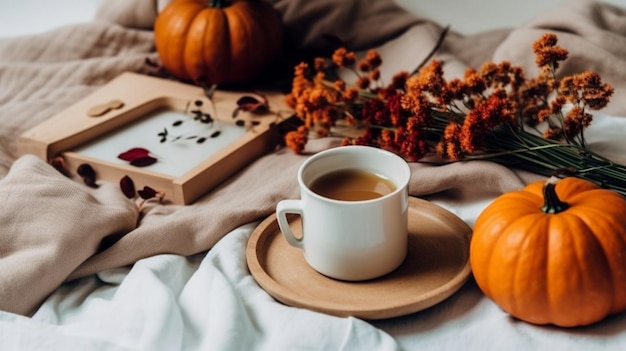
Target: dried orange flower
320 64
547 52
372 57
343 58
363 66
340 85
398 81
375 74
363 83
296 140
483 115
587 89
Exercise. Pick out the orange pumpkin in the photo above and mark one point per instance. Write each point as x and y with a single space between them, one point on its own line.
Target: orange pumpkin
553 253
217 42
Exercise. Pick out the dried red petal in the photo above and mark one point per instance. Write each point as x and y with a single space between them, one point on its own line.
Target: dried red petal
59 164
251 104
143 161
147 193
247 100
88 174
133 154
128 187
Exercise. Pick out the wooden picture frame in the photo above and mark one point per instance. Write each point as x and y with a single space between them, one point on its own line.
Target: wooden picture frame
138 110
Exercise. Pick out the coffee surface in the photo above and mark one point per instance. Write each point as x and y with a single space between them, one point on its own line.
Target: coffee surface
352 185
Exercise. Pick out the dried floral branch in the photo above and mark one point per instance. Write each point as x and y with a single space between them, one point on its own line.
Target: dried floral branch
493 113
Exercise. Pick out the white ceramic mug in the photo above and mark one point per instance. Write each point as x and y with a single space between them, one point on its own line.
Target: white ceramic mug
350 240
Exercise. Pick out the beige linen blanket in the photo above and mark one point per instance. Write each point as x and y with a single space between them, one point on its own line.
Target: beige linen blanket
53 229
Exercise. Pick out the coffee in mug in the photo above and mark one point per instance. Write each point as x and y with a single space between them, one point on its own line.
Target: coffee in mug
354 209
352 185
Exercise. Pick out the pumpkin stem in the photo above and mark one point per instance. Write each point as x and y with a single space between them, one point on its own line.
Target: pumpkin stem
552 203
218 4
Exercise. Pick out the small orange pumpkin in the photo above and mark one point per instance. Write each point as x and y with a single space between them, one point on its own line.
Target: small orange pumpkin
553 253
217 42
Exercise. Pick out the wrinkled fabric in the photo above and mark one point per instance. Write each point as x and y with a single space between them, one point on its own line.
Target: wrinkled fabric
41 75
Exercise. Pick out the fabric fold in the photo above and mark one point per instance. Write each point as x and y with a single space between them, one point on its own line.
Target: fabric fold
50 225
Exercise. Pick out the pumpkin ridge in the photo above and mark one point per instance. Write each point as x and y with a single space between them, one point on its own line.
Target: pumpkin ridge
517 199
585 245
606 293
191 50
526 271
571 186
489 220
175 21
237 34
212 51
515 227
584 198
225 52
241 31
513 304
554 258
593 217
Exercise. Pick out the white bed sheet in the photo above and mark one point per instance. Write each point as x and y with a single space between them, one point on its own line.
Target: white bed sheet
210 302
207 301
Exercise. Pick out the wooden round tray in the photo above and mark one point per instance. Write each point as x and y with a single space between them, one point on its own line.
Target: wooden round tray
436 266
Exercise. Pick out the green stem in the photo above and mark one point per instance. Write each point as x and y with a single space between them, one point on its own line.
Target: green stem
552 203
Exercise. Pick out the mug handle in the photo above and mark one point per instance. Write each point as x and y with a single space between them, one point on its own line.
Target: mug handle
282 209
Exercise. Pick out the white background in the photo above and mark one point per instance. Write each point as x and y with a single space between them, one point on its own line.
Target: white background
19 17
